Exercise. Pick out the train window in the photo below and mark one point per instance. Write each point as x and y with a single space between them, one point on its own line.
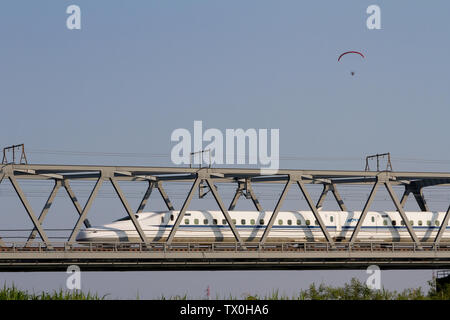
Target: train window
299 222
394 222
171 217
252 222
289 222
411 222
224 221
429 223
205 221
243 221
261 221
214 221
331 218
280 222
437 222
234 221
419 222
308 222
196 221
385 222
186 221
372 219
162 220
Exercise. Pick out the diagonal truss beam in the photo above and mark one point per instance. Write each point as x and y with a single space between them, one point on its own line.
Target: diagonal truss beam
85 210
147 194
418 195
364 212
44 211
253 196
163 194
330 187
326 188
315 212
443 226
75 202
420 199
185 206
128 209
402 212
275 211
29 210
249 191
216 195
338 198
2 175
405 196
237 194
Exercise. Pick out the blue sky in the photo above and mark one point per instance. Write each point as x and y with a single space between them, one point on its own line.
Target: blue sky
137 70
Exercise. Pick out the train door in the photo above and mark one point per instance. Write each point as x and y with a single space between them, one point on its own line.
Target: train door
332 224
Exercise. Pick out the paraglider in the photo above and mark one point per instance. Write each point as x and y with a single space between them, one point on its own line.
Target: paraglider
349 52
357 52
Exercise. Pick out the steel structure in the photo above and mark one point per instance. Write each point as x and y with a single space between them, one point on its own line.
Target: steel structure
44 255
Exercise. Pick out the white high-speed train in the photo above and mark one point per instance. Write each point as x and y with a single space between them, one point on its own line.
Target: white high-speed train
211 226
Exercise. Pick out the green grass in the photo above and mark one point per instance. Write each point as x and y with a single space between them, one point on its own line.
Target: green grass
13 293
355 290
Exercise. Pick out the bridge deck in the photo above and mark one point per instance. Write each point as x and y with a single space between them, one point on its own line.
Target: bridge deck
215 256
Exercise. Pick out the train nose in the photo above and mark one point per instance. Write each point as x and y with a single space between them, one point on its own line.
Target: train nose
84 235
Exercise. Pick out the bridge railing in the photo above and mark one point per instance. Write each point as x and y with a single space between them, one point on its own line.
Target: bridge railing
223 247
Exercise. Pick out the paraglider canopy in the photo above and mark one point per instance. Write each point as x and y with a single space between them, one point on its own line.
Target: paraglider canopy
348 52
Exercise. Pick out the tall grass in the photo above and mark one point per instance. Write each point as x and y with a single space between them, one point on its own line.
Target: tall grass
13 293
355 290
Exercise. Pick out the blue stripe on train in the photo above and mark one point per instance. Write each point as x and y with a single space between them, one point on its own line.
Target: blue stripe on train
300 227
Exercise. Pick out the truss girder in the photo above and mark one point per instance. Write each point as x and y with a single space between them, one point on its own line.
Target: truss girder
128 209
27 206
183 210
45 210
315 211
75 202
414 183
85 210
280 201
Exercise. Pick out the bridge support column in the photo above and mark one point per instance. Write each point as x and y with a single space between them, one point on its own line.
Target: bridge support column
44 211
29 210
127 207
85 210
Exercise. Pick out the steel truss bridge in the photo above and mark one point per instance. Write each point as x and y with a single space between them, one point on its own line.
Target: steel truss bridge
45 255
